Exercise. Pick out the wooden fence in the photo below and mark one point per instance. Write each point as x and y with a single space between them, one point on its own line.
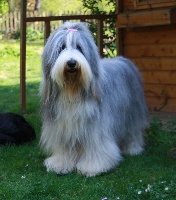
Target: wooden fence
10 22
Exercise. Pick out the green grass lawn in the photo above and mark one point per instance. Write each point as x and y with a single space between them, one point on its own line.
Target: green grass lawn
149 176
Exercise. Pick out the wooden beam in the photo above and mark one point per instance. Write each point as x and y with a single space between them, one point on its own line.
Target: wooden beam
70 17
150 50
147 18
140 5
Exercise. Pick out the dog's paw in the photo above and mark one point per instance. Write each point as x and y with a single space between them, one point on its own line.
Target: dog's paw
94 167
88 171
100 160
57 165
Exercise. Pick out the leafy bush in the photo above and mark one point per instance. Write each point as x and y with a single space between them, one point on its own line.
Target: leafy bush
3 7
32 35
15 35
109 32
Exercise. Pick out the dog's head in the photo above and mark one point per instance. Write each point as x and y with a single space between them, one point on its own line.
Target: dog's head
71 58
70 64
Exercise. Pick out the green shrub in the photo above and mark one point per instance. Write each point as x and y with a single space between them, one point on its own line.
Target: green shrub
33 35
109 29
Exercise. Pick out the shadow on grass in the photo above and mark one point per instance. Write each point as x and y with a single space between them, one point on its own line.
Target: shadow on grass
10 98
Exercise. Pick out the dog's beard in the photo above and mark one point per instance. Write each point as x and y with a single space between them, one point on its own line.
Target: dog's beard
72 81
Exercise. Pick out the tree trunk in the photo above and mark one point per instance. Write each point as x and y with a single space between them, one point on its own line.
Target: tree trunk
37 4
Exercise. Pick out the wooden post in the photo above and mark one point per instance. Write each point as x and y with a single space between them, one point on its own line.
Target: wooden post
119 32
23 57
100 36
47 30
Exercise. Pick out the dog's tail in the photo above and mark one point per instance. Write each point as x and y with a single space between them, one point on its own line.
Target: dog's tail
14 129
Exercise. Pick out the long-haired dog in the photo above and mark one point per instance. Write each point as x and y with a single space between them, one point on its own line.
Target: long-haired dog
93 109
14 129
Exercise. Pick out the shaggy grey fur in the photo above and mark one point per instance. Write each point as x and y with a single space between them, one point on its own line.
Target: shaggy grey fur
107 117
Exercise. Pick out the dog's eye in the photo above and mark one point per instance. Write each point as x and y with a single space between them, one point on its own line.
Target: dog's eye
79 48
63 47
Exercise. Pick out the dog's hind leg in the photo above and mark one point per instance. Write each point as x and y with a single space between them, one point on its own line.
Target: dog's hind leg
133 146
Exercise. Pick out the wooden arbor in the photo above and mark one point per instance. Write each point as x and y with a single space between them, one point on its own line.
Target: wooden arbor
47 20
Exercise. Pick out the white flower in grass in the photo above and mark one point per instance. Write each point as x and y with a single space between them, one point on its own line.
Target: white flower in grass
166 189
23 177
118 198
140 181
139 192
163 182
148 188
105 198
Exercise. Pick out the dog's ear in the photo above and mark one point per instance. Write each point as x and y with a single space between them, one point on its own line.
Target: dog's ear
45 88
49 93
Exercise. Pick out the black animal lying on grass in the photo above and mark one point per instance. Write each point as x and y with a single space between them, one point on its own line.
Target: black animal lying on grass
14 129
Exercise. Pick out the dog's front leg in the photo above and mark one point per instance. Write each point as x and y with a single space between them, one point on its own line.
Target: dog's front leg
99 157
60 162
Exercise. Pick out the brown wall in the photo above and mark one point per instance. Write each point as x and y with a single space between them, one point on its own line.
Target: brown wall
153 49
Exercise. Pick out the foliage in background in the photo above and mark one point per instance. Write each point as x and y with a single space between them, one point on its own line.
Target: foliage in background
99 6
15 5
3 7
57 6
104 7
90 6
33 35
46 5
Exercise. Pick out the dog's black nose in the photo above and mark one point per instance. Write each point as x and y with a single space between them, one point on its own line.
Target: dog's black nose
71 63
